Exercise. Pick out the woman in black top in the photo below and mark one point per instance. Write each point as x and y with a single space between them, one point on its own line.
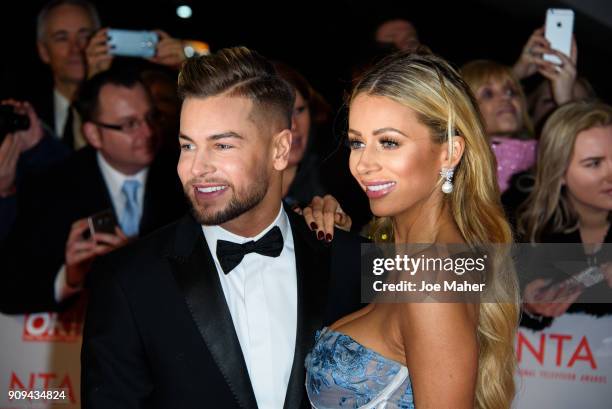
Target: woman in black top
570 203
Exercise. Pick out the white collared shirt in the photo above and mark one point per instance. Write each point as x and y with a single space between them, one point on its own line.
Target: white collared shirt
61 105
261 293
60 111
114 182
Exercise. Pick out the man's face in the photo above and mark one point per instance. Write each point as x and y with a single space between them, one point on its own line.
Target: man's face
226 158
132 148
400 33
66 32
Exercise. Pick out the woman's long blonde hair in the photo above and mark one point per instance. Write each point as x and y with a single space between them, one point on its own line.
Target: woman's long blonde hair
547 208
443 102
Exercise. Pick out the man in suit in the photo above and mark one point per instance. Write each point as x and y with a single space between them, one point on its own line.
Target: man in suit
219 309
63 29
48 254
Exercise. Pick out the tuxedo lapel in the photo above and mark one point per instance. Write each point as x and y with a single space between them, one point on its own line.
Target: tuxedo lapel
312 261
198 280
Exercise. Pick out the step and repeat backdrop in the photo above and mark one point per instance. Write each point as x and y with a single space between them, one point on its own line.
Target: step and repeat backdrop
566 365
40 359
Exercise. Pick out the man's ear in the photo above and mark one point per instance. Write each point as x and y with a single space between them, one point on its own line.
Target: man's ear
452 157
281 147
92 134
43 53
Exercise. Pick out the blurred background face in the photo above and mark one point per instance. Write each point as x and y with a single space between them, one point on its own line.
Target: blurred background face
542 101
300 129
400 33
501 107
392 155
62 47
224 164
131 150
166 102
589 175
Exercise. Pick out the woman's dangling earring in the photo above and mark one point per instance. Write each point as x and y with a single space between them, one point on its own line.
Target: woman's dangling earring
447 173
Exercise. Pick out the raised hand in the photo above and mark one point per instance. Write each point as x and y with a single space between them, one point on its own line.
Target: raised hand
98 53
169 51
562 77
81 252
527 63
9 155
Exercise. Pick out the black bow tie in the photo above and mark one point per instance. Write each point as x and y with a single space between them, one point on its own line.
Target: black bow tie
231 254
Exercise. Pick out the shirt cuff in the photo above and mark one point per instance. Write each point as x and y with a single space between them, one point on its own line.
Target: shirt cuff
61 288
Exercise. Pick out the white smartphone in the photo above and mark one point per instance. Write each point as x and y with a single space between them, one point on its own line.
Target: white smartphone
131 43
558 31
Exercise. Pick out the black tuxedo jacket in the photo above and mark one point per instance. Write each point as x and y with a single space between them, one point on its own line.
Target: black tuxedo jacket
159 334
47 206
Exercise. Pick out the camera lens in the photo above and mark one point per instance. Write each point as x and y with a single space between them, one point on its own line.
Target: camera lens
559 24
10 121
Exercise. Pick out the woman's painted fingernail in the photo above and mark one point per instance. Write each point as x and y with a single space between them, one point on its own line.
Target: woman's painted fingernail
313 226
328 237
320 235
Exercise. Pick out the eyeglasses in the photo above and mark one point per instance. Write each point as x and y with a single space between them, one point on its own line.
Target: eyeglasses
132 125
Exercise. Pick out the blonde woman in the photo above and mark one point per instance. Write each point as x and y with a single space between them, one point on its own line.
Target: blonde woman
412 116
504 109
571 203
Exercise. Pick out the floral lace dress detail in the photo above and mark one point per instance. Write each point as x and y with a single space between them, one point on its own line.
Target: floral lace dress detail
341 373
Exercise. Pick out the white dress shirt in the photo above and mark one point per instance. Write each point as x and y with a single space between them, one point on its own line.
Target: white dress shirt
261 293
114 181
60 112
61 105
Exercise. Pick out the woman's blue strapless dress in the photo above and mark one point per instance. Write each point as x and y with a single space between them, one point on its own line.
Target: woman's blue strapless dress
341 373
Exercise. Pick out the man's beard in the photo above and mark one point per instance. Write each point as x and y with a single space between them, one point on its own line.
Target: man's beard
238 204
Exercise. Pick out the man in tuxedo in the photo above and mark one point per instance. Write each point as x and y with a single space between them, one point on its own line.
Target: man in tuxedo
219 309
48 253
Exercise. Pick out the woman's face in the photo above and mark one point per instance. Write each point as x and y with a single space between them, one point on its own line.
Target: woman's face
501 107
300 129
392 155
588 178
543 102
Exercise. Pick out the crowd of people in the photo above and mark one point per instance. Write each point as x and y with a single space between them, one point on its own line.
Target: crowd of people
443 155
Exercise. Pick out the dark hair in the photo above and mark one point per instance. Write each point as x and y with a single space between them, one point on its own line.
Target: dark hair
239 72
41 19
320 110
87 102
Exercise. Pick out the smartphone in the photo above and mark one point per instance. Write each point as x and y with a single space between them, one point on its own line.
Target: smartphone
130 43
558 31
581 281
103 222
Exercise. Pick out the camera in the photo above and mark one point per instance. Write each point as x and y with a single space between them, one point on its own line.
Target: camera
10 121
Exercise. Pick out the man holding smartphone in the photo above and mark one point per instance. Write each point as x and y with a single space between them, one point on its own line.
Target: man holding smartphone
48 254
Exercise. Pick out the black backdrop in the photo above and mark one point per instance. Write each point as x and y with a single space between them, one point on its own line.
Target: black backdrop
320 38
